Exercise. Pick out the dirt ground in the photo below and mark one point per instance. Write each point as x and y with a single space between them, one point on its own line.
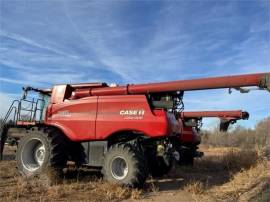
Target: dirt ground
223 174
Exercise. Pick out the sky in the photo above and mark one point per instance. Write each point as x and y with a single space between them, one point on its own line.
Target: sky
50 42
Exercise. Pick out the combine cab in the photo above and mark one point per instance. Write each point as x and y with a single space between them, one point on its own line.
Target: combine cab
127 132
22 114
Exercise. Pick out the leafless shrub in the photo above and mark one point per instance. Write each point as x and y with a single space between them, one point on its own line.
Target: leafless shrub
240 137
239 160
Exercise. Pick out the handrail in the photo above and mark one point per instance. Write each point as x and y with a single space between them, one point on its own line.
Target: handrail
17 107
38 109
10 110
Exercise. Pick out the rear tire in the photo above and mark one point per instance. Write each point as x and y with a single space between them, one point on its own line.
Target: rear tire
125 165
41 153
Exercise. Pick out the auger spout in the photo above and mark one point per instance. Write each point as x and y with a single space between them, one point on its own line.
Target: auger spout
260 80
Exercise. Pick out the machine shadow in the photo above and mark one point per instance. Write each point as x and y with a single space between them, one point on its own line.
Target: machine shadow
209 174
82 175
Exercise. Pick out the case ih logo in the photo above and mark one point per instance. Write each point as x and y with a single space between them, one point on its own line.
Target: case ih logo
134 112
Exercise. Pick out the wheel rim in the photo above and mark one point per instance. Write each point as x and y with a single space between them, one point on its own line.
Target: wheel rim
119 168
33 155
40 154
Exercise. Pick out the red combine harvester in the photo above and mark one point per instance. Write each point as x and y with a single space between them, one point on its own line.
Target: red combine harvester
190 124
126 131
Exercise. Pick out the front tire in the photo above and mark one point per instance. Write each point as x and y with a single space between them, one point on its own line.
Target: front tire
42 152
125 165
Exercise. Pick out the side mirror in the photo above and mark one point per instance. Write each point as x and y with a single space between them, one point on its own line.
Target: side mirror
24 95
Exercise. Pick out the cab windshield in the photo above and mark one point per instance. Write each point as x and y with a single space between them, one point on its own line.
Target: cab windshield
32 107
42 104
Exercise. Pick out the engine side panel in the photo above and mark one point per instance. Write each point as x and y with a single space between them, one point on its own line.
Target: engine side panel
96 118
76 118
128 112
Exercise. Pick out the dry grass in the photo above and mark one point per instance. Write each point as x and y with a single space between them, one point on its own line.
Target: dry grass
17 188
247 159
247 184
91 191
230 174
233 172
195 187
152 185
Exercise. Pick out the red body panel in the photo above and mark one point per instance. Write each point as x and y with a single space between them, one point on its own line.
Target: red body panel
130 112
188 135
76 118
96 118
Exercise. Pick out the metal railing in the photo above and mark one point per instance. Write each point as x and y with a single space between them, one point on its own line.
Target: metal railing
10 110
18 112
